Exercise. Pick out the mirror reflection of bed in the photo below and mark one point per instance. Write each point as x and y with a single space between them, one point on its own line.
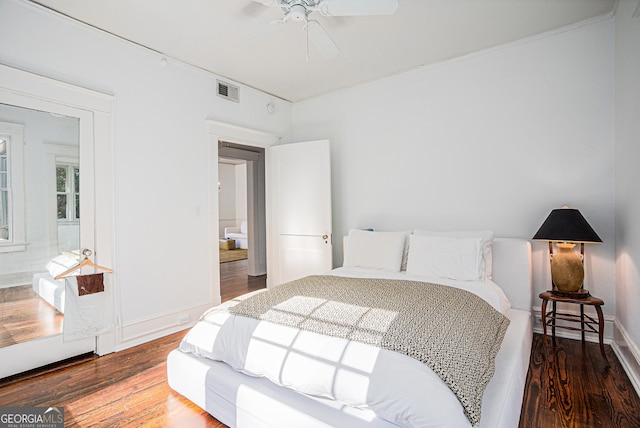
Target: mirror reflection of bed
32 247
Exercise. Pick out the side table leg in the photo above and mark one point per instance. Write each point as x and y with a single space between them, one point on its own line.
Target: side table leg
543 317
582 322
553 323
601 332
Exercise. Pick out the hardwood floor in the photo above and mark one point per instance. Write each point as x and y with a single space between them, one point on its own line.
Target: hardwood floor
124 389
127 388
234 280
24 316
570 386
566 387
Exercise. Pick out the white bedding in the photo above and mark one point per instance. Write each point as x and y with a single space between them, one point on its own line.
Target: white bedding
50 290
395 387
487 290
244 401
47 287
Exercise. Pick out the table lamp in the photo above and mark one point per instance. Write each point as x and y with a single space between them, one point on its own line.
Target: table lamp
567 227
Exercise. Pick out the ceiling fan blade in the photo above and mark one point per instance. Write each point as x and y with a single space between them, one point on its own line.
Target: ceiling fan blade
322 40
357 7
265 32
269 2
252 9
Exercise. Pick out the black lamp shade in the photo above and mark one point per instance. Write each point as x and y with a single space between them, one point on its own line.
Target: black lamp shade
566 224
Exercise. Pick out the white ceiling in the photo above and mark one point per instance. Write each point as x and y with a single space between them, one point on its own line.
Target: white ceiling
223 36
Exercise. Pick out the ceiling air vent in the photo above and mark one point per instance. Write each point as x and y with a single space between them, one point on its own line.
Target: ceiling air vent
228 91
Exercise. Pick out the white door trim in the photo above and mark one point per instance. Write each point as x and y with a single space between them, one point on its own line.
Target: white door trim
222 131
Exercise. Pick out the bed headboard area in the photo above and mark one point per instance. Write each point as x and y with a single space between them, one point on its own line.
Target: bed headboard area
512 270
510 260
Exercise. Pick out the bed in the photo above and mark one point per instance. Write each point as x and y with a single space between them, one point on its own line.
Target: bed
47 287
270 383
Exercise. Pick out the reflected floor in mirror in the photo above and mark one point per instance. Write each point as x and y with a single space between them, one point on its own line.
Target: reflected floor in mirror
24 316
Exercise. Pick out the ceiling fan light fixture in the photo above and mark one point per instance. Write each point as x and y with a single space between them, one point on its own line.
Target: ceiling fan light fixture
297 12
301 10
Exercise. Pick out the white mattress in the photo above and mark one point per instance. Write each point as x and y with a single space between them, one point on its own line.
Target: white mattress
50 290
239 400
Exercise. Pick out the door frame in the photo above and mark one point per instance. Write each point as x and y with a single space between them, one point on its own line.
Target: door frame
223 131
94 109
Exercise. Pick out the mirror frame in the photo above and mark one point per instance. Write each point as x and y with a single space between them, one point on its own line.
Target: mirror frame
25 89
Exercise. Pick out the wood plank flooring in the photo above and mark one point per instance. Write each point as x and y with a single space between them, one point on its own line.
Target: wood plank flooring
124 389
570 386
24 316
566 387
235 282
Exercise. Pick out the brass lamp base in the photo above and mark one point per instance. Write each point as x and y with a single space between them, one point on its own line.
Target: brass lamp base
567 272
580 294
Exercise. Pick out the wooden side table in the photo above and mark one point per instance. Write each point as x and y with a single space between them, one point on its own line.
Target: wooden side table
587 323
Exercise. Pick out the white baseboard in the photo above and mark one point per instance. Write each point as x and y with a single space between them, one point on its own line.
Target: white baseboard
569 334
628 353
139 332
17 279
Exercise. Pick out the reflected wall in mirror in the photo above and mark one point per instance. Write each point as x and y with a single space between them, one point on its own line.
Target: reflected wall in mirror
39 219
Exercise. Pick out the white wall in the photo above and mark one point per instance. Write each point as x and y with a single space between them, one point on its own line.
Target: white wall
627 128
495 141
161 156
241 192
226 196
232 195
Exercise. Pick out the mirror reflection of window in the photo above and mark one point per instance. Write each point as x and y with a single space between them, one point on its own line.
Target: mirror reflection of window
4 191
68 191
12 216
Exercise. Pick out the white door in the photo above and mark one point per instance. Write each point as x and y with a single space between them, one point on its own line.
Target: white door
299 210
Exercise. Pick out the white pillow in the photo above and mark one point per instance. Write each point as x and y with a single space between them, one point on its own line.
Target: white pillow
60 264
375 250
486 264
445 257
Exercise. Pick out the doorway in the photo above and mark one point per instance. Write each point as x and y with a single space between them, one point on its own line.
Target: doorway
241 216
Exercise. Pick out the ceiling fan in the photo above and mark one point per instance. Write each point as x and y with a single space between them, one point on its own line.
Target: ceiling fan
300 10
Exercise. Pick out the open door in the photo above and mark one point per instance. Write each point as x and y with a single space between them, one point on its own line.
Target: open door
298 210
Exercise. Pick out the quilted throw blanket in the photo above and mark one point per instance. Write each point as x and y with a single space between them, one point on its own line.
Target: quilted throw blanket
453 331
